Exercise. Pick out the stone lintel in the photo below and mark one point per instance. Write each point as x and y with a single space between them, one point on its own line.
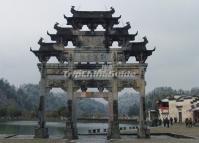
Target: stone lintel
92 94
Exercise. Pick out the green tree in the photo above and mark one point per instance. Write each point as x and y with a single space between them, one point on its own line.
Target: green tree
158 94
3 112
62 111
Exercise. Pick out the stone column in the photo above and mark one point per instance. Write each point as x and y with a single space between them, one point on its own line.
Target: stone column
42 131
143 131
113 129
71 121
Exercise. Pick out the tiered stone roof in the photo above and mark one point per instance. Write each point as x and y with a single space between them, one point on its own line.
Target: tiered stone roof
92 40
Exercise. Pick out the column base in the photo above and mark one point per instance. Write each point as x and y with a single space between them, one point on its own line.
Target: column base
70 131
41 133
143 133
113 131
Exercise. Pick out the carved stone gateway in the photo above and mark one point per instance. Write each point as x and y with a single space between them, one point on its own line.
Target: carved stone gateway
92 64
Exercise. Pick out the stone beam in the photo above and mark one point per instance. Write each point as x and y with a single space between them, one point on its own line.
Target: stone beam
82 95
63 72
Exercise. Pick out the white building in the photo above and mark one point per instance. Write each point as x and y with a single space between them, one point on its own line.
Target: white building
180 107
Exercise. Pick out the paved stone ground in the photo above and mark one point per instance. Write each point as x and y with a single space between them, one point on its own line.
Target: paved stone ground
158 141
93 140
177 129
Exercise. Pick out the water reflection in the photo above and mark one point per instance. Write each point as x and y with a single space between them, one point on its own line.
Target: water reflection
55 128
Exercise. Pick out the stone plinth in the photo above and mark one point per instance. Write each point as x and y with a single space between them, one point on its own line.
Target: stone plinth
41 133
70 131
143 133
113 132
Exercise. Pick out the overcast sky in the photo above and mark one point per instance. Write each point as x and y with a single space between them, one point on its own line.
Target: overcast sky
170 25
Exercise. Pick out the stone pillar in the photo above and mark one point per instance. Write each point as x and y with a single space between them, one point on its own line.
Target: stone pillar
113 129
42 131
143 131
71 122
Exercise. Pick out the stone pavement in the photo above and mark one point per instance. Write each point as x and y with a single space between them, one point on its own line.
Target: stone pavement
93 140
176 129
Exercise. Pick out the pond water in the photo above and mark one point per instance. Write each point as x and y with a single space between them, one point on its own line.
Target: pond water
55 128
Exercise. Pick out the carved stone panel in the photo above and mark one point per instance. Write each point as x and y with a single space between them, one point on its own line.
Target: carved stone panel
92 95
93 41
90 57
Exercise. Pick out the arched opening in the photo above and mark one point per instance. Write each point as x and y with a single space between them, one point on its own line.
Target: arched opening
85 28
115 45
100 28
97 105
55 107
92 112
128 101
131 60
53 60
70 45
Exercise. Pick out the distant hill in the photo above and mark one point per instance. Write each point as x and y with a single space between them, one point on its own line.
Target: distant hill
90 107
128 101
8 94
26 98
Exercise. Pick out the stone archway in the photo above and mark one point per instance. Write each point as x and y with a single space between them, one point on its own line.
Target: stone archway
76 69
